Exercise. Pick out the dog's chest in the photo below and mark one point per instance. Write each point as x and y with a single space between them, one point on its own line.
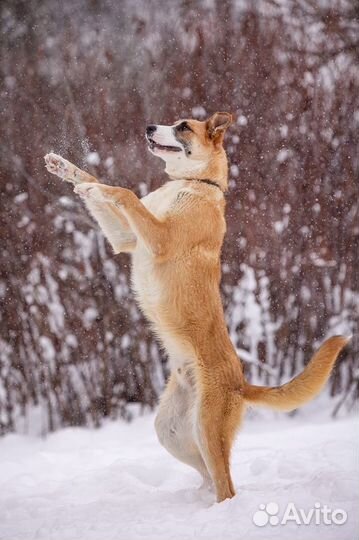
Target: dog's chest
146 282
160 201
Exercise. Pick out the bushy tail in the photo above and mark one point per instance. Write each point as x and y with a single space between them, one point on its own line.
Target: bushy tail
302 388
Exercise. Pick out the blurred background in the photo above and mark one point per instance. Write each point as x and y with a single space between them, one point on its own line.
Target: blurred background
82 78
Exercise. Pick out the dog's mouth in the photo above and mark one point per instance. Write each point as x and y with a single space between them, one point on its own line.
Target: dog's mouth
153 145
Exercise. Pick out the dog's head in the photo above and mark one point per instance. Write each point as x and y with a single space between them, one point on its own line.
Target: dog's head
190 148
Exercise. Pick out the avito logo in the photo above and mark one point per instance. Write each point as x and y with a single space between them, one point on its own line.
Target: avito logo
320 514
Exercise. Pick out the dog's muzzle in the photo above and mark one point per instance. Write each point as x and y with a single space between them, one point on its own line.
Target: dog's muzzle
154 134
150 130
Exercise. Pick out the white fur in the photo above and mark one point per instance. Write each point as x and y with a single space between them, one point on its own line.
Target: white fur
165 135
143 278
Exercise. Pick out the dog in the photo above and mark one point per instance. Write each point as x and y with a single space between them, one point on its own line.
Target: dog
175 236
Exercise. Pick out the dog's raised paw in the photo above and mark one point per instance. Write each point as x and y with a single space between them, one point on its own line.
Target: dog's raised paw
56 165
89 191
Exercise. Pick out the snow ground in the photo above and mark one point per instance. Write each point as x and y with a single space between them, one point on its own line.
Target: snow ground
117 483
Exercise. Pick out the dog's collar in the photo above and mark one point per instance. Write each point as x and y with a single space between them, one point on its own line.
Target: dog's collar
205 181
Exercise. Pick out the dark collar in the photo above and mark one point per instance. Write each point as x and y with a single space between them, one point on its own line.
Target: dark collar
206 181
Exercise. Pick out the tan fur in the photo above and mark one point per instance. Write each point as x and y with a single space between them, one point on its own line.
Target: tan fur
305 386
175 235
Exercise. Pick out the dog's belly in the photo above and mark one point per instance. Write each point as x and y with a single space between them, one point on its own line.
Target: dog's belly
160 301
152 297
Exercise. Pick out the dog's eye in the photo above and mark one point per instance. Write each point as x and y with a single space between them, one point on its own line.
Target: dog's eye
183 127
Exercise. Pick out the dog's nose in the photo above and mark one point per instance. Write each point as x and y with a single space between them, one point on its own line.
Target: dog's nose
150 130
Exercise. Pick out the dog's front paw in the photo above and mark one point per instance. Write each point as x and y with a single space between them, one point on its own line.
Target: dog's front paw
57 165
90 191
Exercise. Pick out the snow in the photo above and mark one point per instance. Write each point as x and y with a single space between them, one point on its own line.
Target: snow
242 120
118 483
21 198
198 112
93 158
234 170
89 316
283 155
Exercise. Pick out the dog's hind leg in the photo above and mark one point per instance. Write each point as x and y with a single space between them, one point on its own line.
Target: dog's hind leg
218 418
174 427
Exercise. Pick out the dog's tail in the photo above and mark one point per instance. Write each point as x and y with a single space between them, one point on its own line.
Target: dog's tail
302 388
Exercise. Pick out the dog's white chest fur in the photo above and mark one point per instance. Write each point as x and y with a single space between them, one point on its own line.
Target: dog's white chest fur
160 201
148 287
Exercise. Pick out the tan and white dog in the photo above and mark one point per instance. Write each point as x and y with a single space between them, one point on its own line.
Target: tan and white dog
175 236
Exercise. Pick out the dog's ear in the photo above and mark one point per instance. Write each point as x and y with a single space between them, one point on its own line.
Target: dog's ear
217 124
